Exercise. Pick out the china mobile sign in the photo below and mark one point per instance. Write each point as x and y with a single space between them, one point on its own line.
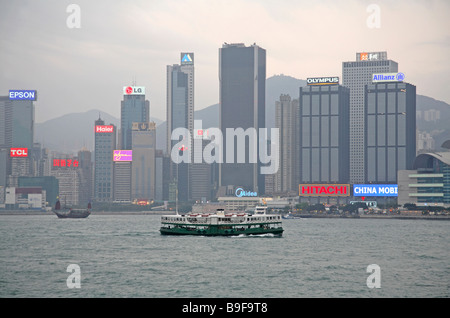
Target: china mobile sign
375 190
123 155
104 129
18 152
328 190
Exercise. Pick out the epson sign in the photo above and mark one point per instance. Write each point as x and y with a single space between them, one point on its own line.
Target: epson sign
322 80
388 77
22 95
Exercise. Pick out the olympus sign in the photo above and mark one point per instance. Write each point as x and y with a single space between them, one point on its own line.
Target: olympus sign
322 80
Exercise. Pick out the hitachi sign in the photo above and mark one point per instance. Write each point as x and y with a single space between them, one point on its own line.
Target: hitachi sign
19 152
324 190
104 129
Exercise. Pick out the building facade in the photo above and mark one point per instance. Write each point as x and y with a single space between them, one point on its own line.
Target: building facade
324 138
134 108
143 168
287 121
105 143
242 77
180 114
389 130
356 74
428 183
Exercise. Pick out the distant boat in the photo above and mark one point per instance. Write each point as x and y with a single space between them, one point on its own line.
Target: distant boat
290 216
69 213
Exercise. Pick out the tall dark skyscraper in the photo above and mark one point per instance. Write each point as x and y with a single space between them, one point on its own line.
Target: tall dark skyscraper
287 121
105 144
16 131
356 74
134 108
390 125
324 133
242 77
180 114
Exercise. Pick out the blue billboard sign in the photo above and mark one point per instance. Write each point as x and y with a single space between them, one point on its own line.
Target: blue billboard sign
375 190
15 94
242 193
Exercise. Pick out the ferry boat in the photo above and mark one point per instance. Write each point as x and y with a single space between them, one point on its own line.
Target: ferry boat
222 224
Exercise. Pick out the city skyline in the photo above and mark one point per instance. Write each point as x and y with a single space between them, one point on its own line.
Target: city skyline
87 67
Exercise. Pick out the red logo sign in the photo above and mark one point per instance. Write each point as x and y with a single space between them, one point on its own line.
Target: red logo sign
19 152
104 129
65 163
331 190
129 90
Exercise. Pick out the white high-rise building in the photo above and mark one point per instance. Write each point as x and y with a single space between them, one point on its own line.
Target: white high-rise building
357 74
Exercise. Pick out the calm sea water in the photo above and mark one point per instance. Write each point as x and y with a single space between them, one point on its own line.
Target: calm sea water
125 256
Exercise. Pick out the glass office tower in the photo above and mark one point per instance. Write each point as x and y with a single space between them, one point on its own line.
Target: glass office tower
390 130
242 77
356 74
324 134
134 108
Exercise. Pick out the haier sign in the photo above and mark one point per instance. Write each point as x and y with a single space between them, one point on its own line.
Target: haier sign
22 95
375 190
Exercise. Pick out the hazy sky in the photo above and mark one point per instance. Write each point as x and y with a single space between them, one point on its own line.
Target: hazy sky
79 69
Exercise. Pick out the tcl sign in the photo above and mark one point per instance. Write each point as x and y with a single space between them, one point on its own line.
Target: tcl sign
19 152
134 90
104 129
331 190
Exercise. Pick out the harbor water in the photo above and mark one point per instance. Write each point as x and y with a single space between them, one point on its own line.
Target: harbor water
125 256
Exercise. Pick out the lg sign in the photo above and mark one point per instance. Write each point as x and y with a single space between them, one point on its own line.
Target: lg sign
19 152
134 90
104 129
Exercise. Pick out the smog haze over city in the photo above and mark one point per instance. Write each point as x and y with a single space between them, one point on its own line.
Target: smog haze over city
82 67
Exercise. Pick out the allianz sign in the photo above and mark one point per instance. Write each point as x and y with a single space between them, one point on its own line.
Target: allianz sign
388 77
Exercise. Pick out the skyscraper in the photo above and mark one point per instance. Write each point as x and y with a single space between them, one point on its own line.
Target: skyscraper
105 143
242 77
16 131
287 121
180 114
390 130
143 175
134 108
324 133
357 74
